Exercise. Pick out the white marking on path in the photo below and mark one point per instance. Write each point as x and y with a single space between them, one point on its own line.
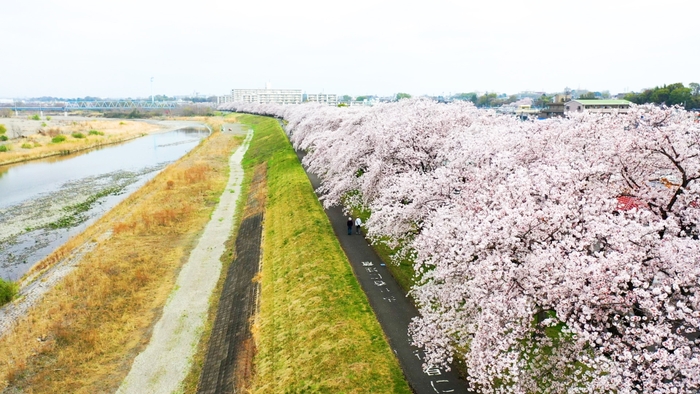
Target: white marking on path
166 361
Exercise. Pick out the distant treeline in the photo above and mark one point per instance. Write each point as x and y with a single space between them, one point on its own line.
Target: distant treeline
674 94
147 114
486 100
157 97
134 114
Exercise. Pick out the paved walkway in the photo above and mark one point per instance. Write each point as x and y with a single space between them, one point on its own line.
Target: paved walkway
391 306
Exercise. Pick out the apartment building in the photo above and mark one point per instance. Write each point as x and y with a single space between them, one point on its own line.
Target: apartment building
224 99
323 98
263 96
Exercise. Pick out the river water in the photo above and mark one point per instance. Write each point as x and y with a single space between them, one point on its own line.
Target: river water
44 203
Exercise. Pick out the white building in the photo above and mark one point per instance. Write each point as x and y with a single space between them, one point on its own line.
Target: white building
601 106
224 99
263 96
323 98
363 103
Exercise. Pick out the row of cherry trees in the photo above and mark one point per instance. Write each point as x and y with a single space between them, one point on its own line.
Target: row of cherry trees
554 256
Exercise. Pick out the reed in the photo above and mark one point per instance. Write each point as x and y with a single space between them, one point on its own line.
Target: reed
83 335
8 291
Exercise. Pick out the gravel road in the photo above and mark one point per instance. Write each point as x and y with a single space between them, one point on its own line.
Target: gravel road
165 362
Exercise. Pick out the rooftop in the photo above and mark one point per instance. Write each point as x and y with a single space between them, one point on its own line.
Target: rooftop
603 102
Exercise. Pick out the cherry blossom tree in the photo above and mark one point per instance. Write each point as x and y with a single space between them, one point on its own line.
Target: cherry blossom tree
554 256
544 282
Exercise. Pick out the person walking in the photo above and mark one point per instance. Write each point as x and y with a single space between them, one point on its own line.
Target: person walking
358 223
349 226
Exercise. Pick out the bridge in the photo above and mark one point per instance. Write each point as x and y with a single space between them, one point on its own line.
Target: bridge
93 105
121 104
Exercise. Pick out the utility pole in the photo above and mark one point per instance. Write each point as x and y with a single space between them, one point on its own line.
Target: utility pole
152 98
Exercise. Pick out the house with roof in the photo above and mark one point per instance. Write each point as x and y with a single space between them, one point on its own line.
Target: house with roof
556 107
600 106
524 111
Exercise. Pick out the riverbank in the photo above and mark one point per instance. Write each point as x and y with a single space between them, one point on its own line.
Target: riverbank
31 139
167 359
315 330
83 335
46 202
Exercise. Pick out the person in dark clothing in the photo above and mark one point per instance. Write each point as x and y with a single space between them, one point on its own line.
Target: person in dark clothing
350 223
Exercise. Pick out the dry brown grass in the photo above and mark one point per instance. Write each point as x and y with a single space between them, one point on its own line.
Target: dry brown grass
244 368
215 122
192 380
114 131
85 333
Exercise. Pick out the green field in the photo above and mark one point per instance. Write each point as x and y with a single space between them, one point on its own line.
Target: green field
315 331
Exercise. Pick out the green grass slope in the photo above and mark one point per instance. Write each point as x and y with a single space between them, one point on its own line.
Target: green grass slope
315 331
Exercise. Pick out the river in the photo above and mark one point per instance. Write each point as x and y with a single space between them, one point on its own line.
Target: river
44 203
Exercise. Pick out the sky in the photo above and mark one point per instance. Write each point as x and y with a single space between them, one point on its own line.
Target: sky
77 48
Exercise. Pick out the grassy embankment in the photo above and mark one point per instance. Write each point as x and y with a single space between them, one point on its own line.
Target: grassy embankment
315 331
84 334
61 138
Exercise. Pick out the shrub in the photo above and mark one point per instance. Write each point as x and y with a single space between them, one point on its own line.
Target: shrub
43 124
35 117
78 135
58 139
27 146
196 173
3 148
48 118
8 291
122 227
3 129
3 138
95 132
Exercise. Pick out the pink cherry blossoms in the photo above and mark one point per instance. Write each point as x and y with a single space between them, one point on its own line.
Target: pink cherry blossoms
555 255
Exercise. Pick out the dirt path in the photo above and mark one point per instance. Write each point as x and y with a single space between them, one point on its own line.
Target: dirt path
165 362
229 362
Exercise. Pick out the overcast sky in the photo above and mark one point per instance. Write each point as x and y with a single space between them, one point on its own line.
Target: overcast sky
76 48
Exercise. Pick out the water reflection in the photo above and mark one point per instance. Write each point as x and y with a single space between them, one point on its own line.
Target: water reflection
35 196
